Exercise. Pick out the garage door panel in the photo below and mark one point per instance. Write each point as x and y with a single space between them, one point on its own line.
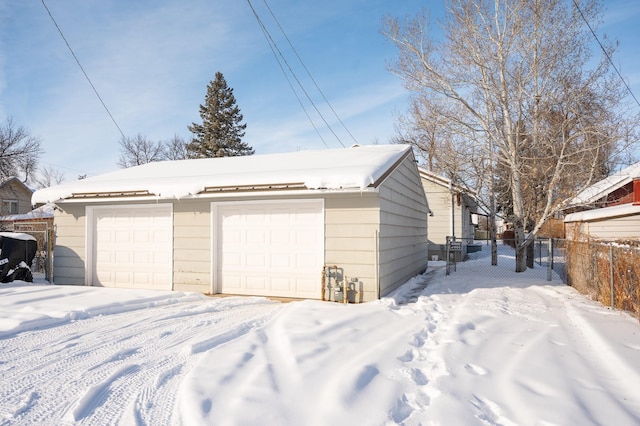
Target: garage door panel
123 257
162 258
233 284
282 285
255 261
232 261
305 262
270 248
123 237
280 237
256 283
141 279
123 279
141 258
255 236
282 261
132 247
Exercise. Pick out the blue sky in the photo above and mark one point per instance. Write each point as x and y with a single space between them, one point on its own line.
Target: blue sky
151 61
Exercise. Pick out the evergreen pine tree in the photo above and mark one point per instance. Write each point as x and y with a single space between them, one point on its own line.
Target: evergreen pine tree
221 131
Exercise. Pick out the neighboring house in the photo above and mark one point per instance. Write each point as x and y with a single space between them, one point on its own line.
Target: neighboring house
15 197
607 210
261 225
451 210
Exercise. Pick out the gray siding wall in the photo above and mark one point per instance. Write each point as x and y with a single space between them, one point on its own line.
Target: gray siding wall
403 227
192 246
69 245
351 227
439 198
12 191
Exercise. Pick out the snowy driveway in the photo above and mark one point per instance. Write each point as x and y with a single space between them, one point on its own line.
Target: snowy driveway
114 365
457 350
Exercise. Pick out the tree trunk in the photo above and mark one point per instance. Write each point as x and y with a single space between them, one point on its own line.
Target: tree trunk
530 253
521 247
494 242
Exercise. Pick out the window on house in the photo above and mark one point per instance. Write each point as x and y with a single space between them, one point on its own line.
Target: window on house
9 206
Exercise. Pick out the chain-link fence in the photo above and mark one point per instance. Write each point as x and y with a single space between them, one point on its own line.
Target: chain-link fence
545 256
608 272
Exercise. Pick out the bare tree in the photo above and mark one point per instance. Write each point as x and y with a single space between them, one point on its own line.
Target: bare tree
511 87
175 149
139 150
48 176
19 151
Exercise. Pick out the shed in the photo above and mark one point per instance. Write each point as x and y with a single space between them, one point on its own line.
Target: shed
261 225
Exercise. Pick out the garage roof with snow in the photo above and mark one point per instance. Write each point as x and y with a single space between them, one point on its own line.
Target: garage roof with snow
357 167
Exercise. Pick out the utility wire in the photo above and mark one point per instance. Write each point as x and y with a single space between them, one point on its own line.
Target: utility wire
82 69
575 3
307 70
265 33
275 46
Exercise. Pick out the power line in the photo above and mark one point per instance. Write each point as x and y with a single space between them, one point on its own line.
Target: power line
274 48
575 3
82 69
307 70
264 32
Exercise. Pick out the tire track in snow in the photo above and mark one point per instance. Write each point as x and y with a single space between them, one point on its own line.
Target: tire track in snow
112 360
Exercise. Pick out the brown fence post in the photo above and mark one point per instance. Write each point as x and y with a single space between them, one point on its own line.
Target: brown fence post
611 275
549 257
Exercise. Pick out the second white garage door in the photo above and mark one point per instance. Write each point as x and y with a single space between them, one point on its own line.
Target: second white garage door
131 246
269 248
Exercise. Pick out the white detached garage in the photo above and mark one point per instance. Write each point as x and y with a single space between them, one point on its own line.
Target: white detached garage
262 225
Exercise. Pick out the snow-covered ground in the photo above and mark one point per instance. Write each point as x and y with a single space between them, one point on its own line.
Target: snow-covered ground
481 346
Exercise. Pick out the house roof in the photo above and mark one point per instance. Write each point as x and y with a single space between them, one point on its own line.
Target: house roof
470 197
606 186
357 167
443 181
14 179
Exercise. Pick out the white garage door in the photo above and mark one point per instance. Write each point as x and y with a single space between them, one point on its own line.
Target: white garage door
270 248
132 247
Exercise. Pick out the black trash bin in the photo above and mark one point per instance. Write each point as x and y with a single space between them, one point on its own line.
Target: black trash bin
17 251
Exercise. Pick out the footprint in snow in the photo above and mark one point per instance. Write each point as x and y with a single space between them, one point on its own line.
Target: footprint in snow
419 377
475 369
408 356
